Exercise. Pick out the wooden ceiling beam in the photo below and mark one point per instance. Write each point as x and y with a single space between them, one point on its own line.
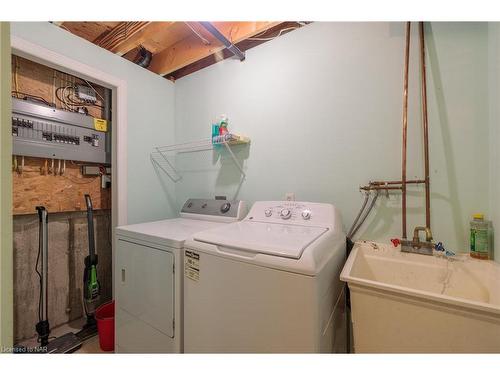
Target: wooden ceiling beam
244 45
142 35
119 35
192 48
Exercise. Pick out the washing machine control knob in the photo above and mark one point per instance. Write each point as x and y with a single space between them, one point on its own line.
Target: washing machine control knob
285 213
225 207
306 214
268 212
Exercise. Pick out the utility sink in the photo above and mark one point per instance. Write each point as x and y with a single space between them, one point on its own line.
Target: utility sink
412 303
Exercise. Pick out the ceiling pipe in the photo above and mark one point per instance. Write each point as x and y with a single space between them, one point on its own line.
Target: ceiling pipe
227 43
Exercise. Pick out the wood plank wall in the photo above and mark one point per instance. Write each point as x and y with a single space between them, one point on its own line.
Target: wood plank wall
38 184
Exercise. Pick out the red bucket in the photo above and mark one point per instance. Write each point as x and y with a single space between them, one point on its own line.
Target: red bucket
105 316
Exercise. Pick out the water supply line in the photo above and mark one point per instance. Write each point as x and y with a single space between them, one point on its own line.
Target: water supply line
349 234
355 225
425 125
405 126
402 185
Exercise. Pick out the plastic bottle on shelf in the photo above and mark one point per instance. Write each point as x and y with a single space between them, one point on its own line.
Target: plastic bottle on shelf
481 237
215 130
223 123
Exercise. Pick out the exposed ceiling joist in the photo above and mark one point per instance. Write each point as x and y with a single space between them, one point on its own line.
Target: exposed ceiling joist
244 45
137 39
178 48
87 30
119 34
191 49
227 43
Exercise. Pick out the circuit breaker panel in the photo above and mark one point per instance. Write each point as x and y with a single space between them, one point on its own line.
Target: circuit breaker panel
42 131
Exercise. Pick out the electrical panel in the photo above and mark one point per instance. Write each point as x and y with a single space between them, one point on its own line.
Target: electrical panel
42 131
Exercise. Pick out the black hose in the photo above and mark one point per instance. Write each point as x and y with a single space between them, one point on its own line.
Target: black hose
40 277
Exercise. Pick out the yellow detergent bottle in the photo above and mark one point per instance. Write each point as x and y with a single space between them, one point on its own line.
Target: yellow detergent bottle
481 235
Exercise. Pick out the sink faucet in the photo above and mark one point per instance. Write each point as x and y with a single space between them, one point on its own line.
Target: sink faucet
416 246
428 234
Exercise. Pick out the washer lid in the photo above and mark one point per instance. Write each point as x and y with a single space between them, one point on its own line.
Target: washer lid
288 241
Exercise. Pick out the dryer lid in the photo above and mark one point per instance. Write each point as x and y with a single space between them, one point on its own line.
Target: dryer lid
281 240
169 232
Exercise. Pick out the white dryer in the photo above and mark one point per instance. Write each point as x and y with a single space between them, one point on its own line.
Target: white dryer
267 284
148 272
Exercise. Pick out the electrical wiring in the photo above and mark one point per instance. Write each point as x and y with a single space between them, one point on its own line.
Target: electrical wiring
54 87
273 37
64 97
76 101
65 93
68 102
26 95
61 98
72 85
15 75
92 87
203 39
63 103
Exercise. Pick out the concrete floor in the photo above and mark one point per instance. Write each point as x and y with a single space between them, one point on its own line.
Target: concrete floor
90 346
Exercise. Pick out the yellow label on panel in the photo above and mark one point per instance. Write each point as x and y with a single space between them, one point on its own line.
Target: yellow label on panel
100 124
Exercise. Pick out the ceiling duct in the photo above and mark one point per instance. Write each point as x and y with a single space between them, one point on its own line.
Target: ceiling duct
143 57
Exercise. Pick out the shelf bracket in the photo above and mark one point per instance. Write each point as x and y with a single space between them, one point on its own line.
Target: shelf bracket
228 148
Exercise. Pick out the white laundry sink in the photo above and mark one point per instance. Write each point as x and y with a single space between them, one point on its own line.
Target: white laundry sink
415 303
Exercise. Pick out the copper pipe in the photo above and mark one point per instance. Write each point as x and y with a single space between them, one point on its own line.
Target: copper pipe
425 125
405 126
396 182
388 185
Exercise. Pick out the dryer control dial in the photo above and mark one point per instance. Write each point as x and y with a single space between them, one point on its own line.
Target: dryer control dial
306 214
285 213
225 207
268 212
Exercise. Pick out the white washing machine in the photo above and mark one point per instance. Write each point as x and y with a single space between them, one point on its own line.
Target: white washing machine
149 275
267 284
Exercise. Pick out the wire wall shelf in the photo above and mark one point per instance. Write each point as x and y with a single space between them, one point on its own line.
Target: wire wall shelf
160 156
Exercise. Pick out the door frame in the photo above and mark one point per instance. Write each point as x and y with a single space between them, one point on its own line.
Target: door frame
39 54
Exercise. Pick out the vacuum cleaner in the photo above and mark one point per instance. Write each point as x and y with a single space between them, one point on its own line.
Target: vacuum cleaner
91 292
91 286
63 344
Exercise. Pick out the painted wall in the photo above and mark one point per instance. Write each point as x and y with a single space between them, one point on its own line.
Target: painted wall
150 114
6 293
494 98
323 108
